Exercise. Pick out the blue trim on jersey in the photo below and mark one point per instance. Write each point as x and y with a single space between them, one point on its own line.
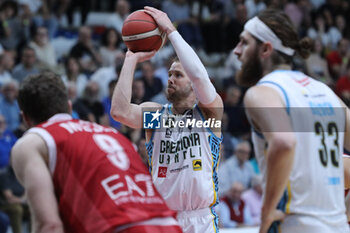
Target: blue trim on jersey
203 119
283 91
214 144
216 219
169 109
149 146
281 206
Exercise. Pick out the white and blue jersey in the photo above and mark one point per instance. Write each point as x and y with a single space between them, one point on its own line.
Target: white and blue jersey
316 184
183 163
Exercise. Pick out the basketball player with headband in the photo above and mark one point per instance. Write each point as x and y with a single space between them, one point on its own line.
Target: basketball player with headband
183 162
299 129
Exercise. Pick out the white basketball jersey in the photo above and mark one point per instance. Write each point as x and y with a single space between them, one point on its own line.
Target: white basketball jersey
316 183
183 162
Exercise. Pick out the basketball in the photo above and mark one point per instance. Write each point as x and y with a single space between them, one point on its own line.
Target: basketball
140 32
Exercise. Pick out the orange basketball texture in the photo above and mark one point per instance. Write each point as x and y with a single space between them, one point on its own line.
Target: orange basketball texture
140 32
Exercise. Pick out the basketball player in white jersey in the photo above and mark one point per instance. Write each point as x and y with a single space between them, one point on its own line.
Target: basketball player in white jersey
298 135
183 160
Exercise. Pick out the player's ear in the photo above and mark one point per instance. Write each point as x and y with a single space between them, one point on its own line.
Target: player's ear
266 49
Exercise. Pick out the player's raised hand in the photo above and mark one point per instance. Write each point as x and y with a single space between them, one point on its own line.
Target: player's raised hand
161 18
268 218
140 56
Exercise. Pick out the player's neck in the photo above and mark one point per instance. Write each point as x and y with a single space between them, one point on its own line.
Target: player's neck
183 106
278 67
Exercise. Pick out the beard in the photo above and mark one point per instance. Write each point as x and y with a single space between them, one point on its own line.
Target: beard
251 72
179 94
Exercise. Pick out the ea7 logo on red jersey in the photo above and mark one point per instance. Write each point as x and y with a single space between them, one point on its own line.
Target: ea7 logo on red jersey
162 172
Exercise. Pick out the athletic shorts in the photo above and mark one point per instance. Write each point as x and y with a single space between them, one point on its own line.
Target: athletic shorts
198 221
154 225
302 223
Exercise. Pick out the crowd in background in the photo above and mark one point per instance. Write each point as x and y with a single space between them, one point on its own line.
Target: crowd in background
81 41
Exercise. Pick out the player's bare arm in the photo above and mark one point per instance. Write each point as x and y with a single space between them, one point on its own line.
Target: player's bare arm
122 110
280 150
29 160
346 161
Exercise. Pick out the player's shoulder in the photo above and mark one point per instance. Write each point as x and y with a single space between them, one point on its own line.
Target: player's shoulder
253 97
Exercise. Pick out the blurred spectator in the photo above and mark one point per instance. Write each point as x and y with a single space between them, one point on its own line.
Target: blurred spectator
107 102
343 87
141 148
84 7
85 51
9 106
6 64
4 222
238 123
338 59
104 76
122 10
210 14
72 96
11 29
233 210
40 13
233 26
153 85
237 168
45 53
74 75
179 12
253 199
227 138
138 92
316 64
110 47
12 200
89 107
27 65
7 140
254 7
297 10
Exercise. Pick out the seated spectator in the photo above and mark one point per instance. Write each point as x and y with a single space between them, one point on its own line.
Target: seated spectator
7 140
12 200
338 59
4 222
138 92
6 64
236 168
122 10
103 76
86 53
107 102
253 199
141 148
9 106
74 75
27 65
89 107
153 85
343 87
233 211
110 47
238 124
316 65
45 53
179 12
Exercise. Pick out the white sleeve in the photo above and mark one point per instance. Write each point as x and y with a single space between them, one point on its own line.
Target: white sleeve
203 88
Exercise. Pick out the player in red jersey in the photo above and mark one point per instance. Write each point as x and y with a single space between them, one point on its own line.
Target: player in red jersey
79 176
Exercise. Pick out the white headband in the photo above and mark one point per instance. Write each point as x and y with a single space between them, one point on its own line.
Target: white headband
261 31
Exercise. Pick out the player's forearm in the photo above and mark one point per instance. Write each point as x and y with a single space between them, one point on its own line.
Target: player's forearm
53 227
280 157
121 98
194 68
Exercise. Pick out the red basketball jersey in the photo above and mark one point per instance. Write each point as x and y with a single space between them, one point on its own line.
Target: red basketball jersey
99 178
